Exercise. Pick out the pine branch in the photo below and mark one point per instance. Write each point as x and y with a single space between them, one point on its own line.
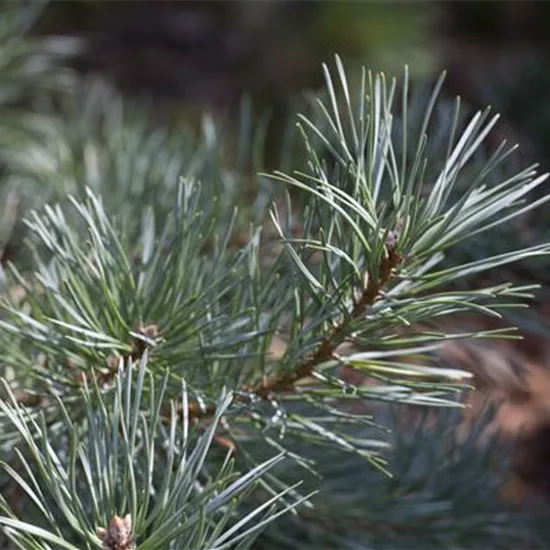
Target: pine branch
364 271
330 342
141 287
276 384
109 488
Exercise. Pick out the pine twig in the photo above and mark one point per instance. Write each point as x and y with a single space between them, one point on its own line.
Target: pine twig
285 382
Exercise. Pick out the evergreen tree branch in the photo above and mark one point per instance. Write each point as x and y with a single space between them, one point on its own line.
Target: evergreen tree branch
285 382
107 287
140 285
330 342
111 471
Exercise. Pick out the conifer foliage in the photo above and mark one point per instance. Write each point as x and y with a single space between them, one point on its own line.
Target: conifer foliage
169 383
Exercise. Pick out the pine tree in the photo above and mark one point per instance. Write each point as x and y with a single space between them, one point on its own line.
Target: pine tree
181 374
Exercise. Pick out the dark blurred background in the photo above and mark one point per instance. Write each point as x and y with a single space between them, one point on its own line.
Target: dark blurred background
211 52
207 54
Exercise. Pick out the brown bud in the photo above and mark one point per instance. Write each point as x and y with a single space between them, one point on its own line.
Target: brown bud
391 239
119 534
112 362
393 236
151 332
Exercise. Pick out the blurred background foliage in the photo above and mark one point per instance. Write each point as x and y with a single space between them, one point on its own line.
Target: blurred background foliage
180 58
186 55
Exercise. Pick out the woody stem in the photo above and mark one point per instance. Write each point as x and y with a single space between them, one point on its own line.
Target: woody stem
285 382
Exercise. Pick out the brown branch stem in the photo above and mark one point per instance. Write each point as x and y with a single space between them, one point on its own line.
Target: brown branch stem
285 382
